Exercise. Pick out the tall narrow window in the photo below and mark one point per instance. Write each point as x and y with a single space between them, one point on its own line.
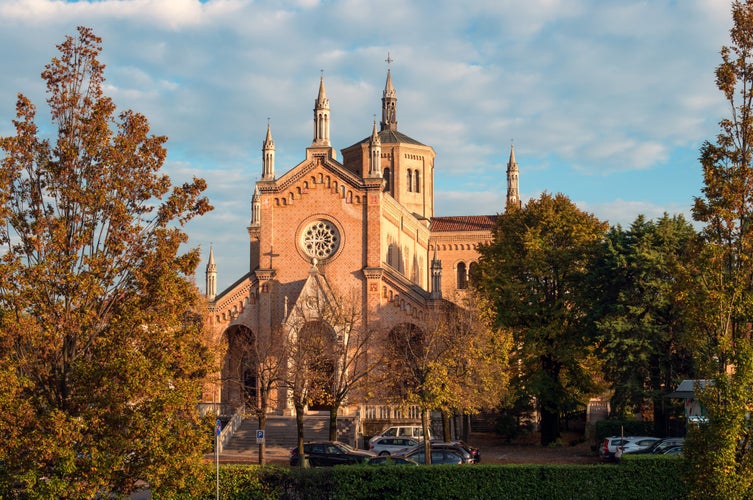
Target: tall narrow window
416 181
462 276
410 180
387 180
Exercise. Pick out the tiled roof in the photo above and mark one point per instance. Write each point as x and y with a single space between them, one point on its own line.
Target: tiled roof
463 223
392 137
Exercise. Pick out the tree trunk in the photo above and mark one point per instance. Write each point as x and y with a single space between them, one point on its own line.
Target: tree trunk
446 433
302 462
550 426
333 423
427 441
262 425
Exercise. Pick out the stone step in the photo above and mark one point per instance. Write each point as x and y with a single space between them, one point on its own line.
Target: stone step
281 431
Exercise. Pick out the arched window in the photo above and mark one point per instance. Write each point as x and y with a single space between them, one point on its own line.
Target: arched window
387 180
462 276
416 183
410 180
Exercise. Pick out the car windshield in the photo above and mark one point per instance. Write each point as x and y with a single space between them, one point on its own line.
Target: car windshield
345 447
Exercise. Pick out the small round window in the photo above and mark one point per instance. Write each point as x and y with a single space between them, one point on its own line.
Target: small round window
320 239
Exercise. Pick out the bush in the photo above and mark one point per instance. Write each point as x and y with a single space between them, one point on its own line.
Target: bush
637 476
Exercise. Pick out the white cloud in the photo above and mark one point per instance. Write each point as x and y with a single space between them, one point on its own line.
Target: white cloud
599 97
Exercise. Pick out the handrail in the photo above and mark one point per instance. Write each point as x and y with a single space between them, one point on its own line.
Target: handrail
227 433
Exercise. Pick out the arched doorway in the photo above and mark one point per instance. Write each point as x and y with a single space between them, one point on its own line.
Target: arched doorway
241 371
319 340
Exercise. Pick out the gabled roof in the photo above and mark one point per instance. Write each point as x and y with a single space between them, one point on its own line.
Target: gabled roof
463 223
686 389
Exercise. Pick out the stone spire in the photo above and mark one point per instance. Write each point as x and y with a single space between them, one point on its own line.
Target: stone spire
513 193
256 208
321 117
389 105
268 150
436 276
211 277
375 154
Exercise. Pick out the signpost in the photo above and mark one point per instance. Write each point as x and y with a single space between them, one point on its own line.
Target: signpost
260 436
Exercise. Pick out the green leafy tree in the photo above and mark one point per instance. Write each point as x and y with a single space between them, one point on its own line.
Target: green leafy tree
101 351
719 452
638 291
534 273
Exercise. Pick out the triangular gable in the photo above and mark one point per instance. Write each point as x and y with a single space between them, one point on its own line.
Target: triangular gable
294 174
316 296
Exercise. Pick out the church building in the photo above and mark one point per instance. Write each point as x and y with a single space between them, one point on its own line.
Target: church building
362 226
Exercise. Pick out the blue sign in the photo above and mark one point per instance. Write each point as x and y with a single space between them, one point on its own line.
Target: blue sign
260 436
218 427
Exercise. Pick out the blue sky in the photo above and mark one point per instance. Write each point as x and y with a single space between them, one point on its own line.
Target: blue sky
606 101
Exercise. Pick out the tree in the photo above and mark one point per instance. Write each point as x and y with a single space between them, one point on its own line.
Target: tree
640 310
477 371
533 273
101 353
455 362
351 356
719 453
260 372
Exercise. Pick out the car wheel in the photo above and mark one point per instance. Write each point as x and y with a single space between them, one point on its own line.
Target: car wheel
384 453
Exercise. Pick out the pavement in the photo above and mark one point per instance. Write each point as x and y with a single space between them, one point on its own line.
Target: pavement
273 455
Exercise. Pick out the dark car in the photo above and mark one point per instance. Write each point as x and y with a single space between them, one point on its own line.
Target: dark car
439 455
329 453
469 457
388 460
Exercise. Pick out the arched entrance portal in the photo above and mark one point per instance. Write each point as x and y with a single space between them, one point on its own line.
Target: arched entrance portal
241 371
320 339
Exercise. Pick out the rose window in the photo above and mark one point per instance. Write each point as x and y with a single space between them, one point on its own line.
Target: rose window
320 239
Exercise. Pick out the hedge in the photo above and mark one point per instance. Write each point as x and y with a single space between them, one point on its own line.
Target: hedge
638 476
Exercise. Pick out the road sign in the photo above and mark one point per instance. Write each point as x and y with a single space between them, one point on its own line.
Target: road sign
218 427
260 436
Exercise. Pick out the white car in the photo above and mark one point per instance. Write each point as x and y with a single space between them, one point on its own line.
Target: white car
615 446
411 431
387 445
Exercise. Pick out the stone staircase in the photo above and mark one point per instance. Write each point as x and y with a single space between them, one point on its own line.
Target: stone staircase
281 432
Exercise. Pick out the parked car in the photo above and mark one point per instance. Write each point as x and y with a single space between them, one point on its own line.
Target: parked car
673 450
412 431
663 445
627 444
390 445
465 451
439 455
389 460
329 453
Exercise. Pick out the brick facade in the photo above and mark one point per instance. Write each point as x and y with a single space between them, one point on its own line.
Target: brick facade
366 230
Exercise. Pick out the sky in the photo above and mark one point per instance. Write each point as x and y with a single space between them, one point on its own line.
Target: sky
605 101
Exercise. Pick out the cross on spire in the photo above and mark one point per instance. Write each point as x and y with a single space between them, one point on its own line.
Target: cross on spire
389 59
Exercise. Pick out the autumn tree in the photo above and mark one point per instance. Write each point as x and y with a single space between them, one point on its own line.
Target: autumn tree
475 372
719 452
101 351
639 305
331 351
349 353
533 273
453 362
259 373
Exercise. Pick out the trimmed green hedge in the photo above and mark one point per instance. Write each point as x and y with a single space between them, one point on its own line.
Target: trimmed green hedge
638 476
